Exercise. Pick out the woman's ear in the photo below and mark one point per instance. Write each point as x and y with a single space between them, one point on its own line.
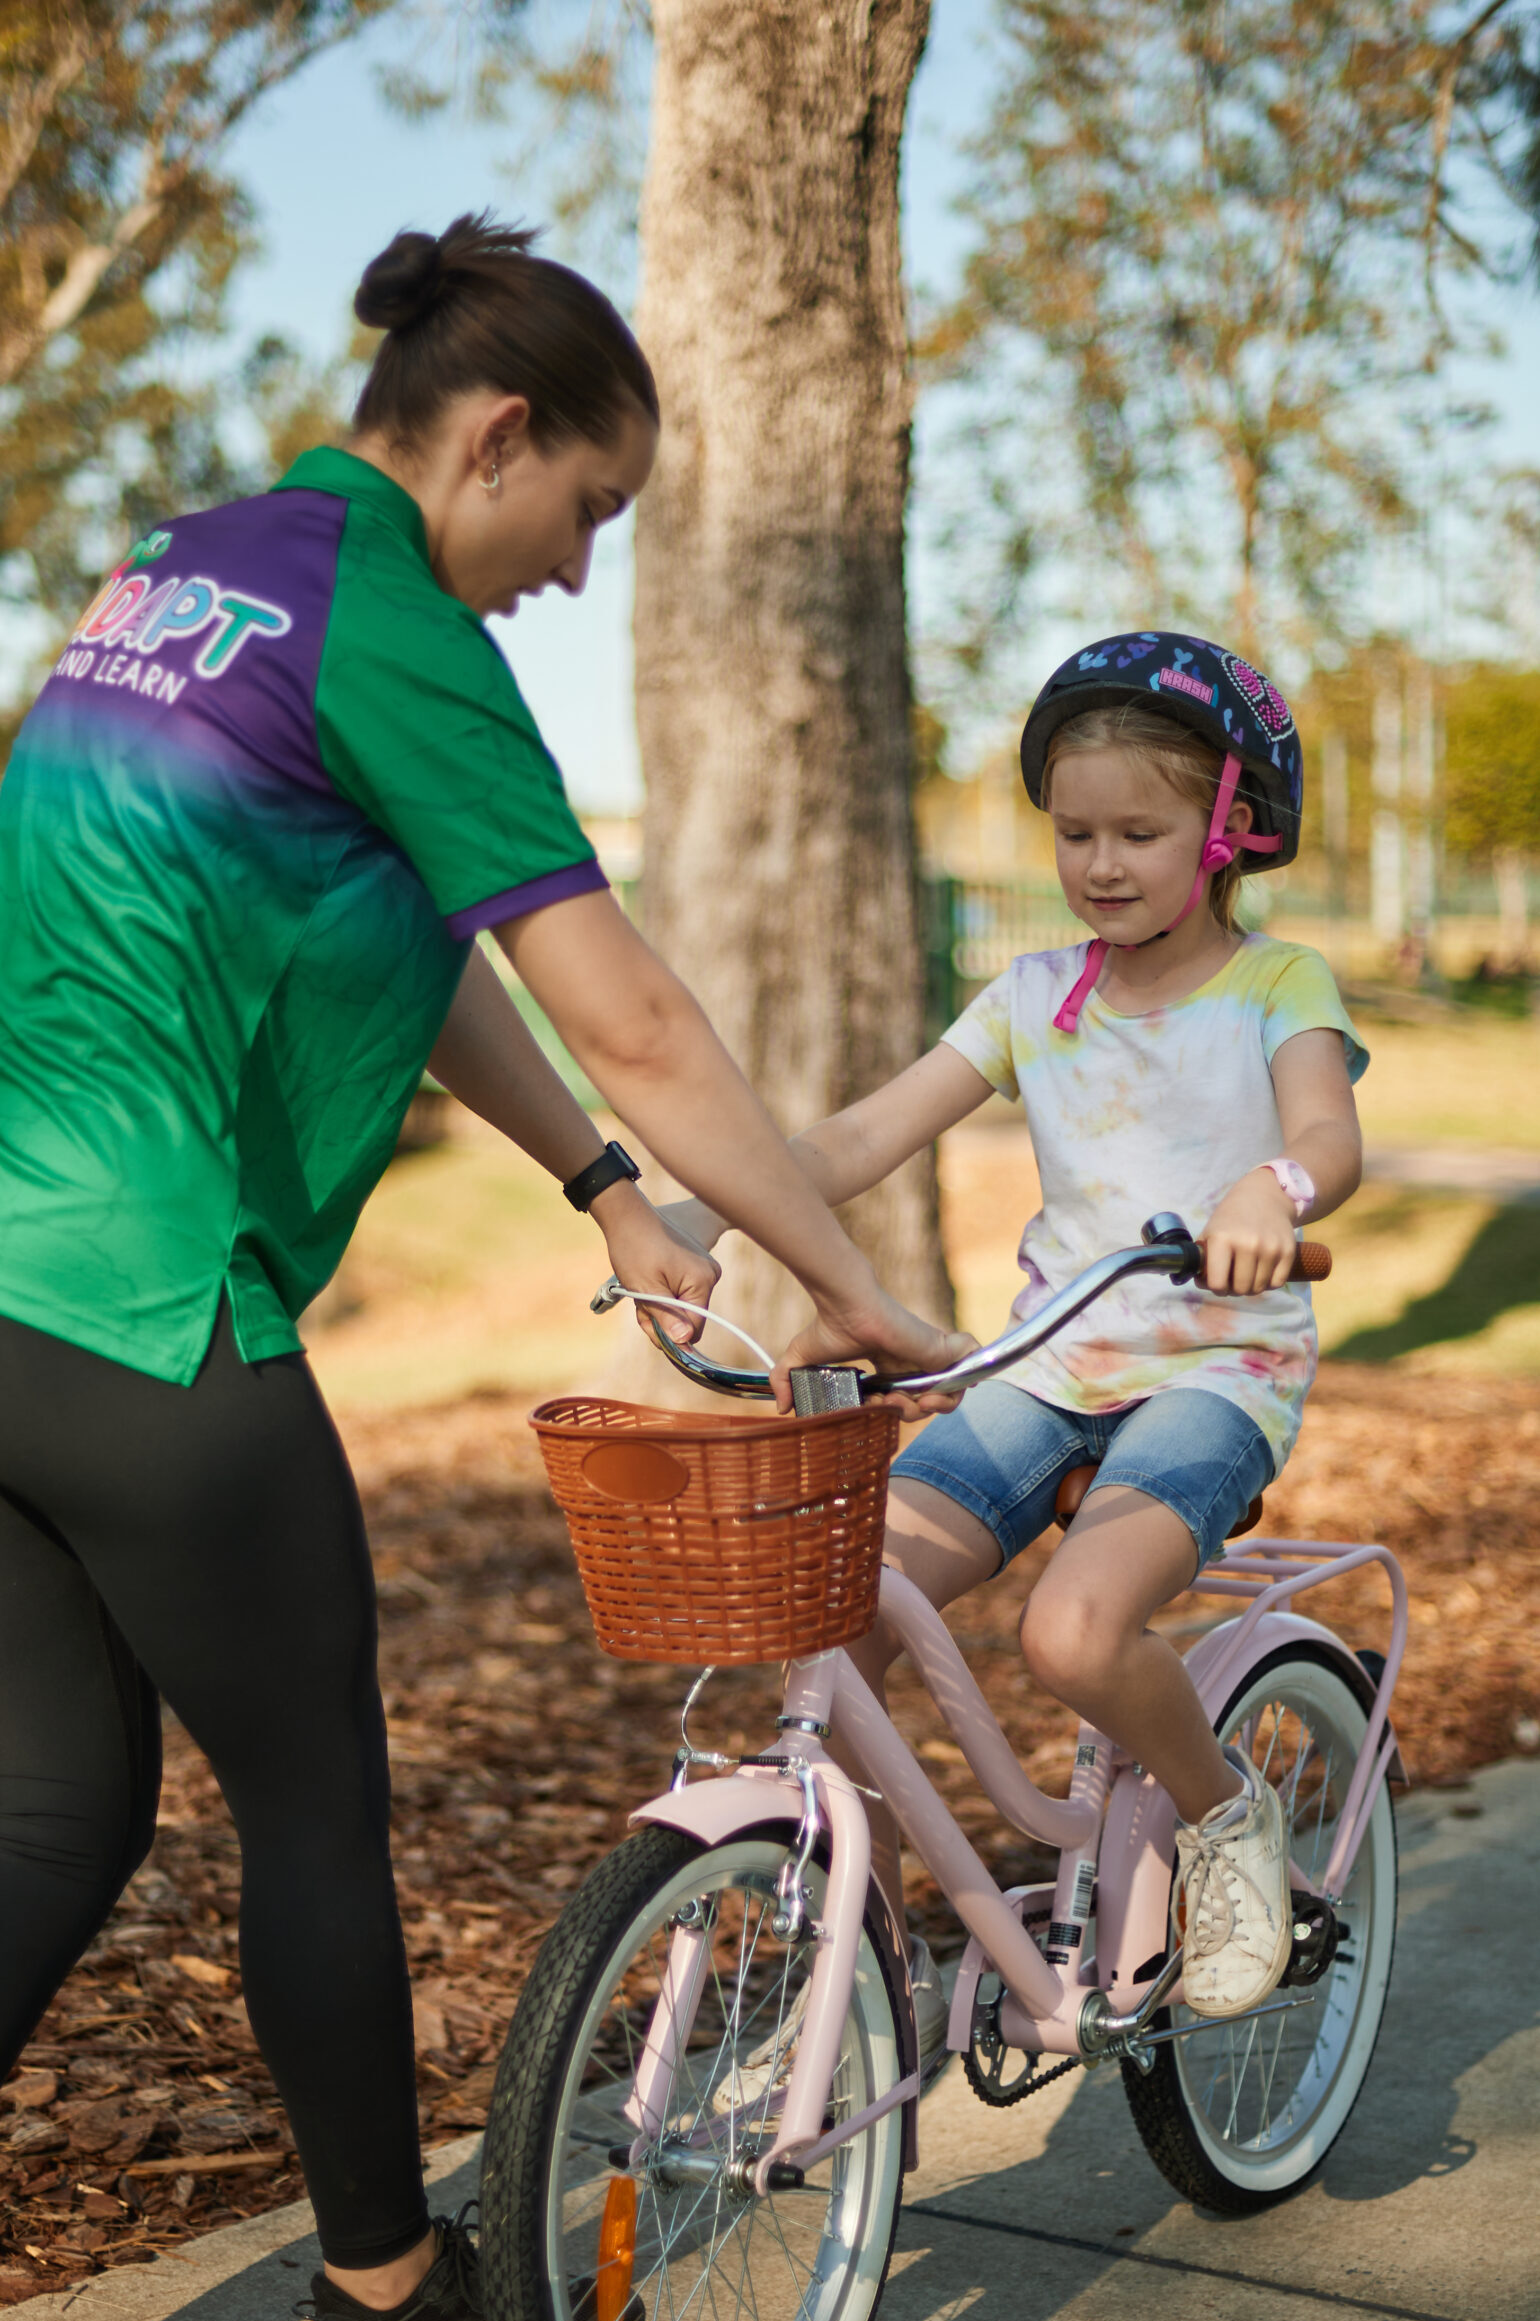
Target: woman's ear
501 432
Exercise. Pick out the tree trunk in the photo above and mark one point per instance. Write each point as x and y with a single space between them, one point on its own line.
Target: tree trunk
772 675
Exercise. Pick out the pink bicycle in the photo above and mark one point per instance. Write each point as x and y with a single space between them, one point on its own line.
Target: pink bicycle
708 2097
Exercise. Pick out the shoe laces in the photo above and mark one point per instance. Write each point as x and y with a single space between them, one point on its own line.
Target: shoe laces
455 2267
456 2244
1211 1911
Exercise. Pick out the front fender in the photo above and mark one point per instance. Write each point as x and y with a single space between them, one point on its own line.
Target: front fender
715 1811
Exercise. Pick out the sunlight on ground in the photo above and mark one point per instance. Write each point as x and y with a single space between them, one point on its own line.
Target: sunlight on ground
1471 1080
469 1269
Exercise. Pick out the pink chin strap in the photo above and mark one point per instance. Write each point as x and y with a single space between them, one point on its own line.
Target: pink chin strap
1219 851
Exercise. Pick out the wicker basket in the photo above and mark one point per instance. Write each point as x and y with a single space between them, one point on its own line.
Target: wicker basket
726 1540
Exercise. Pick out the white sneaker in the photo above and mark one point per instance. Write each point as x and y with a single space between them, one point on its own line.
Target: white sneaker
932 2011
1233 1870
767 2066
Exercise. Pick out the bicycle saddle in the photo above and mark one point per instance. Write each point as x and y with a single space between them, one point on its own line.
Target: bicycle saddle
1074 1486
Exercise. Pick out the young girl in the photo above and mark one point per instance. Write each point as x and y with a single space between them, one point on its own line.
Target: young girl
1171 1063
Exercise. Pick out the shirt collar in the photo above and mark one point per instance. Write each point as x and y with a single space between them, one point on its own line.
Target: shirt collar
351 478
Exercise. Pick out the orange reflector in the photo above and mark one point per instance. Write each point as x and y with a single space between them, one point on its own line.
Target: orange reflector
617 2250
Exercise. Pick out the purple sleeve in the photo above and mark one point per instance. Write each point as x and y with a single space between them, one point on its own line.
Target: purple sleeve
516 902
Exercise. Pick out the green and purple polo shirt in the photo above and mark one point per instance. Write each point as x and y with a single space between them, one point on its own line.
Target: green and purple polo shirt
274 786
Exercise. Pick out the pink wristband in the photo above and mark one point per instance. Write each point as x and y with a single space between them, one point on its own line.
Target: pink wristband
1296 1183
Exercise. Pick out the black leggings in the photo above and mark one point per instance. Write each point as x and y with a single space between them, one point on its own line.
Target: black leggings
206 1543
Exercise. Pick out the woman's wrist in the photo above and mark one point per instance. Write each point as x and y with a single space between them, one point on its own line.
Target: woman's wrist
618 1205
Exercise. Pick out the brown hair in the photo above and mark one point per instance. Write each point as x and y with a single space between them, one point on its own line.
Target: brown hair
473 307
1181 757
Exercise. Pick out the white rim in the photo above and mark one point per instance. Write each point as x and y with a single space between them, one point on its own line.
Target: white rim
1268 2098
812 2255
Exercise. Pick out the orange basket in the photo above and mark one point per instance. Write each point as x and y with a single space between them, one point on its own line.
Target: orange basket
726 1540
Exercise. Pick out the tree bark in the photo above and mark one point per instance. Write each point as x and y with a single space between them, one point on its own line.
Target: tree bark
772 686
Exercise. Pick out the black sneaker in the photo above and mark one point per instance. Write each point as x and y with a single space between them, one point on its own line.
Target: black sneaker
450 2289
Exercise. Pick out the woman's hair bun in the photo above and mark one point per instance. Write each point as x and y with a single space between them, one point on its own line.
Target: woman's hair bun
401 285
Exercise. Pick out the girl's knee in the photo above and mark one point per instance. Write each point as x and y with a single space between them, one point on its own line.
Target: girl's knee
1066 1639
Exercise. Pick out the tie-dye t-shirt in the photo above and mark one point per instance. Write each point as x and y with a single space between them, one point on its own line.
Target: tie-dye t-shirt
1133 1114
275 784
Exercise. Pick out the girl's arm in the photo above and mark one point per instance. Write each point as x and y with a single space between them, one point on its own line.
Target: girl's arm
1251 1234
488 1058
645 1043
855 1149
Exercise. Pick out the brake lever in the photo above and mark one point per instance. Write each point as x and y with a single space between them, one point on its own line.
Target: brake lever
607 1298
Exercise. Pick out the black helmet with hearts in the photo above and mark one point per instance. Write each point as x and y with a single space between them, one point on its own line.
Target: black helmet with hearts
1215 693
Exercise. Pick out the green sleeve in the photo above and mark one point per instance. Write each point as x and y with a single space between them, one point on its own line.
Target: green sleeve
982 1034
1303 997
420 724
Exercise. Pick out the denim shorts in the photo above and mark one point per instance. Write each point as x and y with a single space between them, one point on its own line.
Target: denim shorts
1002 1454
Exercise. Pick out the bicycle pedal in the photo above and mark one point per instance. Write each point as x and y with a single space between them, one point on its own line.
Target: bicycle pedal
1316 1936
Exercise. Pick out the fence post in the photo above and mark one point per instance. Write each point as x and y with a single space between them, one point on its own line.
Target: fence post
938 923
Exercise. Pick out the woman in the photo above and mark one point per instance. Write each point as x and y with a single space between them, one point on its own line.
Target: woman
275 786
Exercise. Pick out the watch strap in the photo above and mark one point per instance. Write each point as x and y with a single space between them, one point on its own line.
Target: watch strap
612 1165
1297 1184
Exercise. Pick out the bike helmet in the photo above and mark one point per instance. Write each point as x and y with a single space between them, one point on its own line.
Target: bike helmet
1213 693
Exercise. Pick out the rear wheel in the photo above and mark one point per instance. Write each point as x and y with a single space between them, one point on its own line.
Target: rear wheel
1238 2114
558 2136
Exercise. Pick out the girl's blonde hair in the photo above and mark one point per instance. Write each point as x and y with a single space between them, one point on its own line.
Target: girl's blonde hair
1181 757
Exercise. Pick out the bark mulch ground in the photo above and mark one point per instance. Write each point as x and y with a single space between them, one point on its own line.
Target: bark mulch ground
141 2114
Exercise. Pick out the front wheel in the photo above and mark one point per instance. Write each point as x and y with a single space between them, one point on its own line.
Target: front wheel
559 2139
1238 2114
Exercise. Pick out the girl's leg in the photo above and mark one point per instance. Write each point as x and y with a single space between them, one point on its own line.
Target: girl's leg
219 1526
944 1551
1084 1638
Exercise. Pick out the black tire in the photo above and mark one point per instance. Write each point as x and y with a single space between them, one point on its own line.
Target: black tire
556 2111
1236 2116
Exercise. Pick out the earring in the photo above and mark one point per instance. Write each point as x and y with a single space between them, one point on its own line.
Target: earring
489 483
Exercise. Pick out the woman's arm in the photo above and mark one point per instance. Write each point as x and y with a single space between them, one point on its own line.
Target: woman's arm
855 1149
645 1043
487 1056
1251 1234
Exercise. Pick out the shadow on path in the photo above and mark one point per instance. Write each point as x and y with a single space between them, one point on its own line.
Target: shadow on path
1500 1270
1090 2229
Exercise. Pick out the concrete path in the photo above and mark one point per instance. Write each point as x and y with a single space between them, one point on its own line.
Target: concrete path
1494 1172
1426 2209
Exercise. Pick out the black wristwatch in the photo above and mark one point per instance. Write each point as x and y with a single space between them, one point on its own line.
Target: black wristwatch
612 1164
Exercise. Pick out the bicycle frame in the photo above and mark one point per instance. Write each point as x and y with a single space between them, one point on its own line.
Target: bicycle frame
1115 1832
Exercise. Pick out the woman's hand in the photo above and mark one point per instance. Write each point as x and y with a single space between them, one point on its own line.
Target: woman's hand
649 1252
1250 1237
890 1335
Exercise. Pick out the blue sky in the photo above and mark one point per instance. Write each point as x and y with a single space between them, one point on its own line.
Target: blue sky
333 173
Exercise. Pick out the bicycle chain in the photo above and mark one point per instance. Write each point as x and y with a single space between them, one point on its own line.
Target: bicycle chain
995 2097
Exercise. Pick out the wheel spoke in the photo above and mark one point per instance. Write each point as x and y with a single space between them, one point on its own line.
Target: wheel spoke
707 2251
1252 2093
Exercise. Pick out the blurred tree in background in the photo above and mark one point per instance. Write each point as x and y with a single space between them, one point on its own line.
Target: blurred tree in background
1210 245
117 239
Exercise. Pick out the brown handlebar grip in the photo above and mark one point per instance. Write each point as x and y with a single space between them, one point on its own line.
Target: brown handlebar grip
1312 1261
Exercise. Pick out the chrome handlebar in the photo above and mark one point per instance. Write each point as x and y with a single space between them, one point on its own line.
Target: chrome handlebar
1166 1247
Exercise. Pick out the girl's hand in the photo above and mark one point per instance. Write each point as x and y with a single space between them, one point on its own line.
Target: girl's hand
648 1252
694 1220
890 1335
1250 1237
